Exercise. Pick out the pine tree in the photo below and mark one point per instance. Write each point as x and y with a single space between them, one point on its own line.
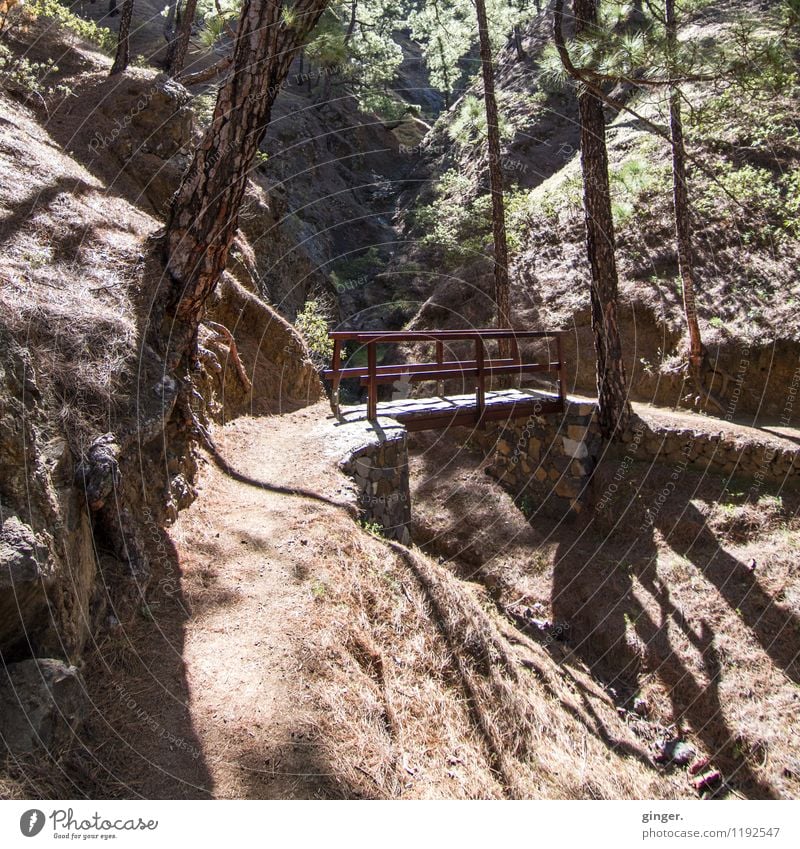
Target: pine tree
180 45
204 215
122 57
613 405
501 279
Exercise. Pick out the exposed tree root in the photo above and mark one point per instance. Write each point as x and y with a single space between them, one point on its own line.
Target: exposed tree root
225 337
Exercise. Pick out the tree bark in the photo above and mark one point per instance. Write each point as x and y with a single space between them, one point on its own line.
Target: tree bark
123 54
680 192
180 45
203 218
518 43
613 405
501 279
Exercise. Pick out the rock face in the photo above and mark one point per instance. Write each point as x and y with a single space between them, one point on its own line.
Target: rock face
26 570
548 460
47 562
42 703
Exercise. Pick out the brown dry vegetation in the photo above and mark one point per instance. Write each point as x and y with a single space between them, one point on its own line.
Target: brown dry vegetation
288 652
697 617
280 650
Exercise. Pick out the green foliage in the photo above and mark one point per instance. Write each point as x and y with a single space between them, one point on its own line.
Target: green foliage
457 222
770 122
634 183
448 30
217 17
28 78
87 30
367 59
762 205
347 274
312 325
374 528
469 127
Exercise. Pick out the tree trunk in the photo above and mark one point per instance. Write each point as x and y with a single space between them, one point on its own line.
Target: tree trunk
204 214
614 408
518 43
352 24
680 192
501 282
122 56
180 46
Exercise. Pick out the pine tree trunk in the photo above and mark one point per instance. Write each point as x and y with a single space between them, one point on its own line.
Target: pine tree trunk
204 215
683 229
122 56
501 280
518 42
614 407
180 46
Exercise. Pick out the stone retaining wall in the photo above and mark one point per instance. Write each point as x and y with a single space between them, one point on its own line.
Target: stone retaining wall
548 461
721 452
379 466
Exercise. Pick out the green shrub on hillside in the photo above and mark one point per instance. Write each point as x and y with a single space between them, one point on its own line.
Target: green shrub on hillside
52 10
457 222
312 325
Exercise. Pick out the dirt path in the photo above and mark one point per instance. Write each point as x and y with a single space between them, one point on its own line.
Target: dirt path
220 666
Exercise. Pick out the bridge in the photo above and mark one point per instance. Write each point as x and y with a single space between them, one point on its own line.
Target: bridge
483 366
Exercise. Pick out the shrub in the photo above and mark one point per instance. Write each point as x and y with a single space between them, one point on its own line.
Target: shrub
312 324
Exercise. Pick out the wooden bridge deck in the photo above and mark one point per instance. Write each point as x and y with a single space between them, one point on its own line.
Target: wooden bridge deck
509 362
439 412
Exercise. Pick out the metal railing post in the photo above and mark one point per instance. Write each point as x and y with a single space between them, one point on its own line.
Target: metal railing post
480 394
439 361
372 385
336 365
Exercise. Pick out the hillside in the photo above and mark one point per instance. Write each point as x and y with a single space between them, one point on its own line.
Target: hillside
744 225
205 588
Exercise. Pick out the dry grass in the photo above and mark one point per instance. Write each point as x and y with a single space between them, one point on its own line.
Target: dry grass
70 265
427 692
697 619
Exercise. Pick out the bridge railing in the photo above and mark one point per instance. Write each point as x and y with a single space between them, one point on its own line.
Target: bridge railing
480 366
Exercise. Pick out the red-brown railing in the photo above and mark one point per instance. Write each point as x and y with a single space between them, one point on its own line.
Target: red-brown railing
372 375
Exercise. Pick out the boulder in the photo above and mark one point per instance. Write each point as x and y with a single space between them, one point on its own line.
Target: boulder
42 702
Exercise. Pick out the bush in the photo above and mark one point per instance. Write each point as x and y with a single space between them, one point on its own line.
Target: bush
88 30
312 325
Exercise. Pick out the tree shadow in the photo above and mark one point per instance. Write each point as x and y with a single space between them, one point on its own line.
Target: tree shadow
777 629
140 731
620 640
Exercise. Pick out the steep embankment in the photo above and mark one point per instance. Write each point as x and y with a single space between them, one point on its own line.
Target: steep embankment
677 587
744 222
331 172
86 164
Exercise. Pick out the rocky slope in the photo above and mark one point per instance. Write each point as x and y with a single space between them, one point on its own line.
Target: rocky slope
94 454
745 241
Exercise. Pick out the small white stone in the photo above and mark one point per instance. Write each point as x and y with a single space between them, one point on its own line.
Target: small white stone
575 448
